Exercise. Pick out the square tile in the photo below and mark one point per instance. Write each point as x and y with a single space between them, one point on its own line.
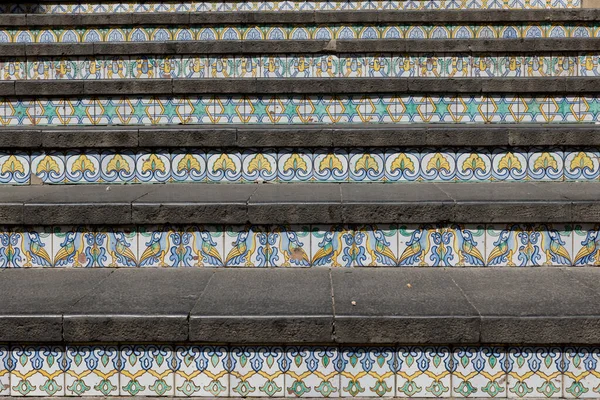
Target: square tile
5 366
259 165
82 166
473 165
38 371
154 245
564 109
208 249
377 245
246 246
147 370
484 66
66 68
366 165
312 372
563 65
586 239
414 245
581 164
299 66
169 67
188 165
326 66
405 65
194 66
221 67
537 66
294 165
330 166
478 372
273 66
223 166
330 245
13 69
458 65
423 371
581 377
247 66
588 64
152 167
534 372
402 164
40 69
257 371
49 167
545 164
142 67
368 371
290 245
511 66
432 66
32 246
92 371
14 168
118 167
202 371
94 68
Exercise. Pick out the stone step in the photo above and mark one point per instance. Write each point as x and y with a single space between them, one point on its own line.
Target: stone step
497 24
301 203
92 7
236 136
350 47
369 306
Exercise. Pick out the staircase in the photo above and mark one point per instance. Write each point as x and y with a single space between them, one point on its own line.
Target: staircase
300 199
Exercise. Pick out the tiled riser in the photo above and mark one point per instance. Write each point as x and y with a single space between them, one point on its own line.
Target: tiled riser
299 109
302 165
300 246
207 6
303 66
278 32
303 371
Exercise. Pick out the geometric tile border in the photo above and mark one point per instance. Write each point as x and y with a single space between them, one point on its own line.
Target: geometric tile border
380 65
295 32
300 371
301 165
301 245
208 6
273 109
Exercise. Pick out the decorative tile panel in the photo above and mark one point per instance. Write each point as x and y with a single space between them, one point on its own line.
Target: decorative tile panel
534 372
38 371
258 371
93 371
147 370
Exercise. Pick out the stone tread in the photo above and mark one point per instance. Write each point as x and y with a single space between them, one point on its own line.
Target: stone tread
244 136
403 46
302 203
308 17
361 305
247 86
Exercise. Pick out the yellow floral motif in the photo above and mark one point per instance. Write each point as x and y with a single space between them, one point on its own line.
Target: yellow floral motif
259 163
188 163
366 163
545 161
117 164
153 163
12 165
581 161
82 164
473 163
47 165
403 163
224 163
438 162
295 162
330 162
509 162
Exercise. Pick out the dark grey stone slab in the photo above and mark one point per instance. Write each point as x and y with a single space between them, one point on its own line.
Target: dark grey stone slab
12 202
304 203
7 88
137 305
21 138
265 306
308 17
301 86
43 295
505 202
194 203
531 306
97 137
463 46
406 305
410 203
85 204
286 136
186 137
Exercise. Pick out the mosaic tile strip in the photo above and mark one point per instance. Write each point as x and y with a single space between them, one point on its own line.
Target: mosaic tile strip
286 165
299 109
385 65
298 32
451 245
207 6
307 371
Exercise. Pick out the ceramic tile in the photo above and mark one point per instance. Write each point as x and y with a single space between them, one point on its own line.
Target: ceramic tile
485 66
299 66
14 168
511 66
312 372
585 245
247 246
247 66
259 165
92 370
581 164
545 164
423 371
221 67
143 67
563 65
294 165
38 371
118 167
153 167
274 66
509 164
202 371
588 65
405 65
326 66
534 372
330 166
474 165
432 66
366 165
478 372
581 377
257 371
195 66
223 166
537 66
147 370
289 246
331 245
368 372
26 247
